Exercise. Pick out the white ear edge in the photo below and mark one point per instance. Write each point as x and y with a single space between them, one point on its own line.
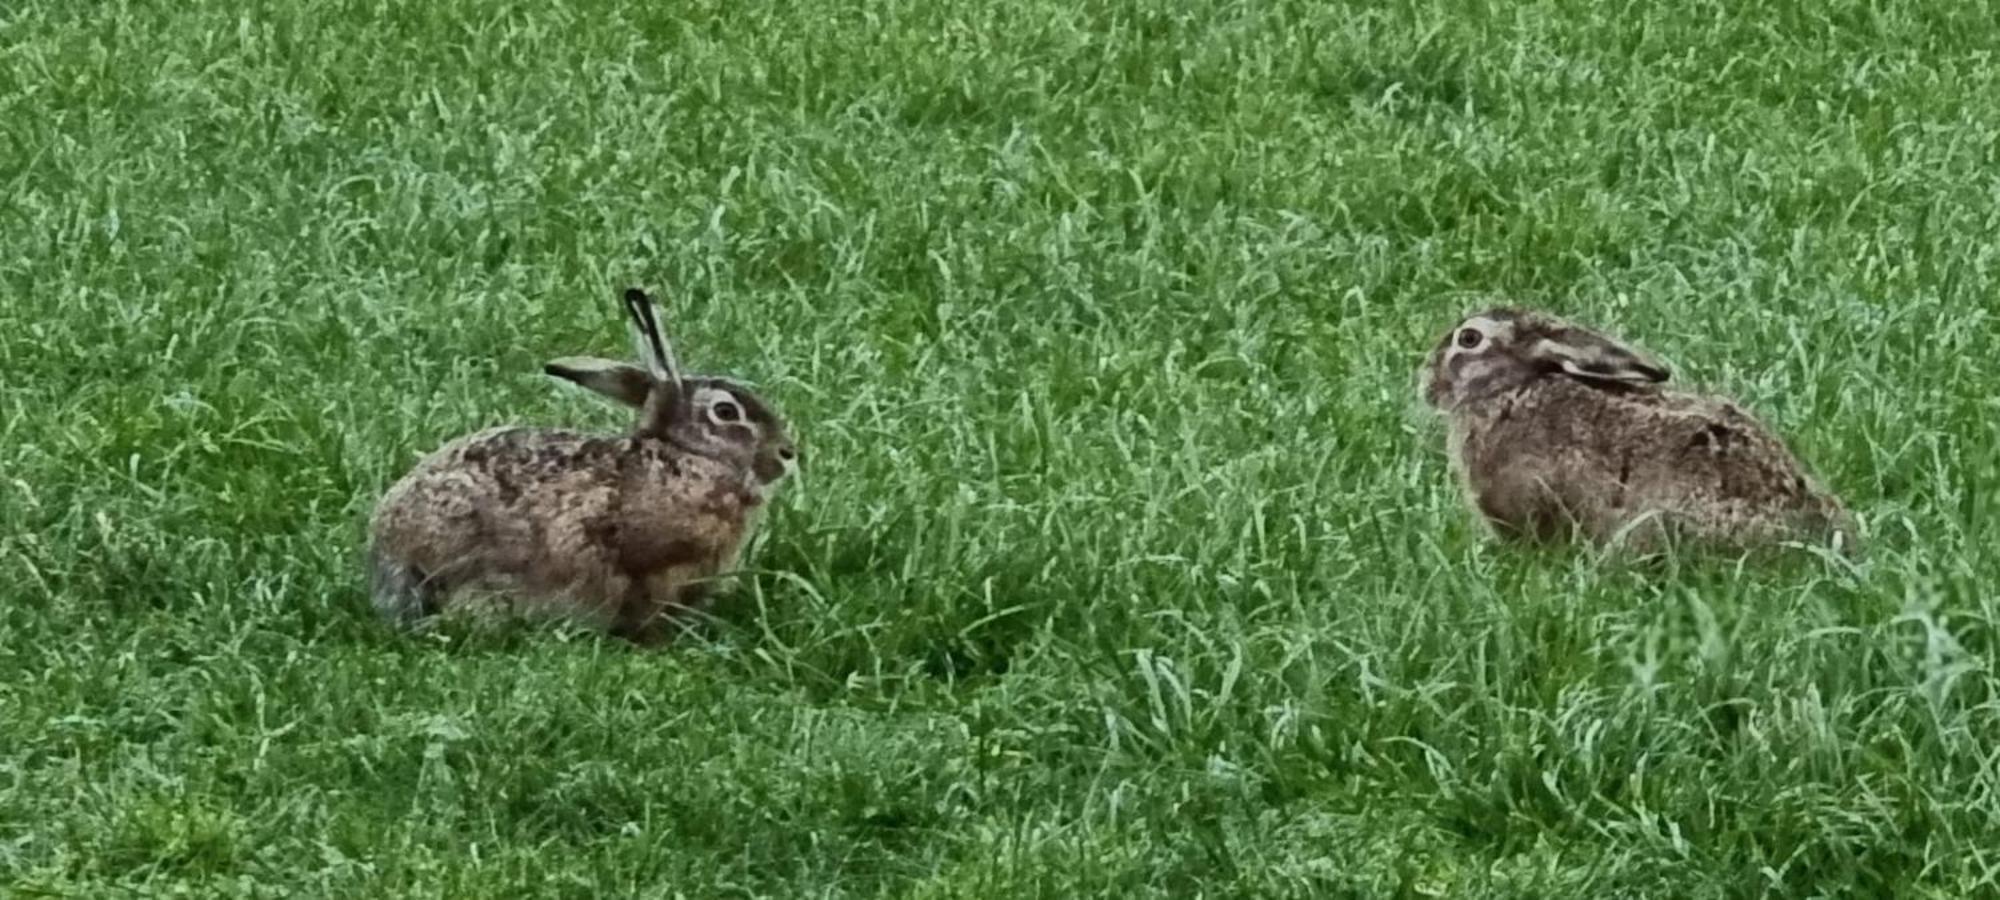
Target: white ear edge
1617 365
1625 375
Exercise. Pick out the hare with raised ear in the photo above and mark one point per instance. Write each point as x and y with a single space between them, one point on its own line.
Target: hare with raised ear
622 533
1557 430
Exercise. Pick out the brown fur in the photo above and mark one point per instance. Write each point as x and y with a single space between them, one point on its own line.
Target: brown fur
617 533
1558 430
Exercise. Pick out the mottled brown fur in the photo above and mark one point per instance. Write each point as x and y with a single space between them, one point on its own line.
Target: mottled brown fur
618 533
1557 430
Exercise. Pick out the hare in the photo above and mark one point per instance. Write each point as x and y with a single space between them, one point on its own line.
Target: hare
620 533
1557 430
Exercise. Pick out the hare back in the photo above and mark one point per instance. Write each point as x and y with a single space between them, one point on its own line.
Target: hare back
1615 460
589 527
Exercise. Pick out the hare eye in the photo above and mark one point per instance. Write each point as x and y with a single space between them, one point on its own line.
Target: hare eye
787 454
1469 338
726 411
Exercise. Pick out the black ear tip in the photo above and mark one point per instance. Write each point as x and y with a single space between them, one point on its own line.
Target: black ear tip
635 295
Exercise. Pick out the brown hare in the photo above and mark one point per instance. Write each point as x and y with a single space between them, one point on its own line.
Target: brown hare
1557 430
622 533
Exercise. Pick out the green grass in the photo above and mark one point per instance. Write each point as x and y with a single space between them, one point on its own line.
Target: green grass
1123 563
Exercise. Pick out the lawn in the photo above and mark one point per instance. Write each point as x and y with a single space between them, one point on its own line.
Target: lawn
1124 560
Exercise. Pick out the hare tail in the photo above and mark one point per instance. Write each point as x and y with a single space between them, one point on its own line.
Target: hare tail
403 594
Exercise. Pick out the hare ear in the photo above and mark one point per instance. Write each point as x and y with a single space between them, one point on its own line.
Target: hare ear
623 382
650 339
1594 357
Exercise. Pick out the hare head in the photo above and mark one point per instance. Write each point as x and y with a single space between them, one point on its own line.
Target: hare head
1505 349
707 415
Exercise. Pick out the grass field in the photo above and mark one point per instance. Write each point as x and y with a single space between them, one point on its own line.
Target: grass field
1124 561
